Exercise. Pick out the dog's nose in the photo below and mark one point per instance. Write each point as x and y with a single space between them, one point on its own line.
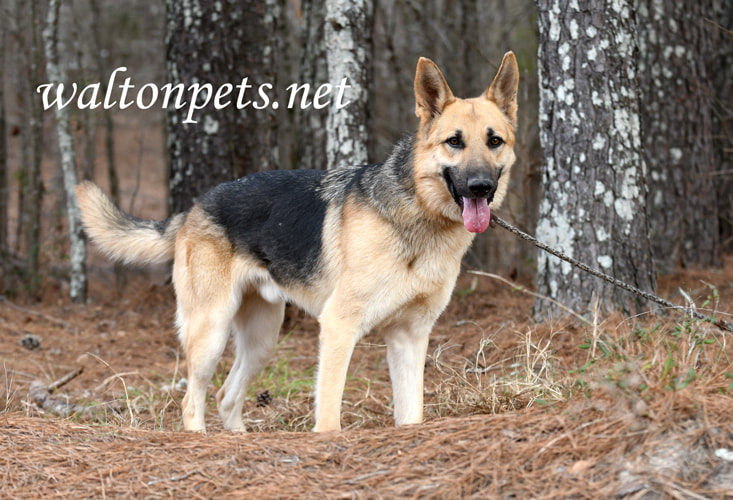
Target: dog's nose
481 186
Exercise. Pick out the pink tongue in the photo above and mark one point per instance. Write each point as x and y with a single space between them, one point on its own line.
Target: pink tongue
476 214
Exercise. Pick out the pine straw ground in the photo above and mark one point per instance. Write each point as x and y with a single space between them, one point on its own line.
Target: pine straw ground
613 407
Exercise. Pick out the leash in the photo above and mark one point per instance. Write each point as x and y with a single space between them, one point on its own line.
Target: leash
722 324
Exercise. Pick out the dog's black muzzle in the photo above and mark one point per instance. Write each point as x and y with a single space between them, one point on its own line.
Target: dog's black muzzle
470 183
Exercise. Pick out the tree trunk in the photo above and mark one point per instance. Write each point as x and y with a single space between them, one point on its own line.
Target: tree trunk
220 43
348 36
312 123
88 136
77 239
593 202
22 90
676 120
109 129
4 187
722 72
32 197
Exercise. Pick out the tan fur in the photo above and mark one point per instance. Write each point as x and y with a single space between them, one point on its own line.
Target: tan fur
108 227
403 290
496 108
213 285
381 286
392 274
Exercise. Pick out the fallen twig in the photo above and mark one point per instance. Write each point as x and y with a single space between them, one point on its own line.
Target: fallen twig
65 379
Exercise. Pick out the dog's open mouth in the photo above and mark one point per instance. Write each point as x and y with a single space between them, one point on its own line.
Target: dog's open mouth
476 211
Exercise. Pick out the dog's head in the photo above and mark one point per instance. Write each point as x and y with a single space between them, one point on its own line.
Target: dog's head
464 147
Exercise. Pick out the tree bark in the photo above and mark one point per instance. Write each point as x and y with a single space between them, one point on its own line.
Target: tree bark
4 187
109 129
32 197
348 37
676 49
81 42
312 123
722 72
22 90
77 239
593 202
220 43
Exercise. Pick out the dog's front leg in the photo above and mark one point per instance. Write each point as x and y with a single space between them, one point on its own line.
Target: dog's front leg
337 340
407 347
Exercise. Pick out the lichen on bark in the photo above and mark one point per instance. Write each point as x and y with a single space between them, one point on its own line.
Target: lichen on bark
594 179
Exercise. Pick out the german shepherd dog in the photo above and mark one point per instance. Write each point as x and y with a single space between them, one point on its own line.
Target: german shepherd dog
361 248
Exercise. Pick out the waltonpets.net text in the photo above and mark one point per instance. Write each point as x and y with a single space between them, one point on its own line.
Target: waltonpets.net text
194 97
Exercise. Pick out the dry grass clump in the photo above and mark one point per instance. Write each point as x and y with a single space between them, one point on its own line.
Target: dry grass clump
493 382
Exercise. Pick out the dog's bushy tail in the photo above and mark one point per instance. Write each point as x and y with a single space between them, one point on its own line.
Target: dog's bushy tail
122 236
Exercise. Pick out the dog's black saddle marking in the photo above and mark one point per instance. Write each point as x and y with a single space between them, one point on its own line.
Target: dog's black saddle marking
276 216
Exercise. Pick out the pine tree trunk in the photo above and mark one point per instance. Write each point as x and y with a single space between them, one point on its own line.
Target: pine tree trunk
4 193
32 196
676 120
593 203
722 72
77 239
219 43
109 129
87 119
348 36
18 41
312 123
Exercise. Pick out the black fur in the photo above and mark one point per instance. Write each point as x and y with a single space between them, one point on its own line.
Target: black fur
276 216
382 186
132 222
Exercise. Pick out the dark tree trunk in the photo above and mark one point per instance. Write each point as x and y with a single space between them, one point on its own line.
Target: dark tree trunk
4 187
722 72
676 49
103 71
218 43
594 190
311 123
32 197
109 129
21 56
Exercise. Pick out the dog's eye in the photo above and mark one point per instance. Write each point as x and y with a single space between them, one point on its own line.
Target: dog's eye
455 142
495 141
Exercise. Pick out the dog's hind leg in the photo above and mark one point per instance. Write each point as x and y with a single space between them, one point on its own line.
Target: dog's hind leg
208 298
205 337
256 327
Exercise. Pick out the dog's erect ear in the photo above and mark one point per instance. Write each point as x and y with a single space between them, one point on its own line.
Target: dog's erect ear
503 90
432 92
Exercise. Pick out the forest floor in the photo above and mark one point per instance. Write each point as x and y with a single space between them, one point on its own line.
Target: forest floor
611 406
631 407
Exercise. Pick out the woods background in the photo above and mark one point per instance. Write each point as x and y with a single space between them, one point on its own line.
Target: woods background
677 63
